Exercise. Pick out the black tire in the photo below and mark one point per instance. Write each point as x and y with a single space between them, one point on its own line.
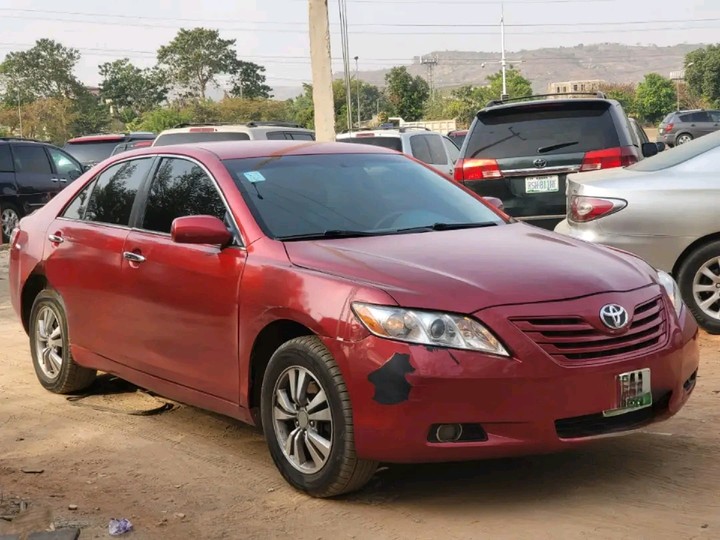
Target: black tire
686 277
5 230
71 377
343 472
683 138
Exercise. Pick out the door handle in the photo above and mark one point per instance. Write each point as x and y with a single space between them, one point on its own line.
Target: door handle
61 180
56 239
133 257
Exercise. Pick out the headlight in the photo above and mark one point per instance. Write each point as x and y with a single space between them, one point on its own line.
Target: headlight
672 290
428 328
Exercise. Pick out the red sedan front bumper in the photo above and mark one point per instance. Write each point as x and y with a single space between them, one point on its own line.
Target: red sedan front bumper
527 404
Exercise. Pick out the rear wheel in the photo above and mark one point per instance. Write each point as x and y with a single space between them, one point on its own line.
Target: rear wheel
50 348
308 422
9 218
699 281
683 138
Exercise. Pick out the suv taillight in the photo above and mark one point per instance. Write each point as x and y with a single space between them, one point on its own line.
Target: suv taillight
583 209
668 128
608 158
477 169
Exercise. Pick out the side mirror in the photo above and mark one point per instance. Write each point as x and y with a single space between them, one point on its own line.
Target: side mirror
497 203
660 146
649 149
200 230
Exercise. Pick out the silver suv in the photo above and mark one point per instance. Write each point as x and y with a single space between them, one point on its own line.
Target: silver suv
428 146
681 127
252 131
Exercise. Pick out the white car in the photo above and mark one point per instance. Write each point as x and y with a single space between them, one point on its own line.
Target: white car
428 146
252 131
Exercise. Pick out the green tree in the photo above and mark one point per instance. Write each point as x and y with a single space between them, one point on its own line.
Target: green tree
625 94
246 110
703 76
406 94
132 90
91 116
517 85
43 71
301 108
249 81
159 120
195 58
655 97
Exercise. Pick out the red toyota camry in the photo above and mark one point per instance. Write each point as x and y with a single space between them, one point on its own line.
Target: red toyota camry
358 305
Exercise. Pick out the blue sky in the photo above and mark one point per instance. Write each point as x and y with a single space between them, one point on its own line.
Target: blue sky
274 32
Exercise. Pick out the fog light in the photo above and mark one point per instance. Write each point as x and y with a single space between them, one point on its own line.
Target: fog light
448 432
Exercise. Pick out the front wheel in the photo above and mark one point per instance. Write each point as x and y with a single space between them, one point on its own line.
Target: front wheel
308 422
699 281
9 218
50 347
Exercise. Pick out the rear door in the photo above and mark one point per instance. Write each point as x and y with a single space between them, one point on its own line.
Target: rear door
34 175
429 148
66 168
530 149
701 124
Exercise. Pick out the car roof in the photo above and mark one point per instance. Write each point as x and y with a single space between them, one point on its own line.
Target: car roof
530 103
255 149
233 128
112 137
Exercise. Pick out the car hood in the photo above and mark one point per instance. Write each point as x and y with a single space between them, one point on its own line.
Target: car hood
471 269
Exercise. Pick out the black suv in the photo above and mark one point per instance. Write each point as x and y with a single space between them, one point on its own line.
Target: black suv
31 173
521 150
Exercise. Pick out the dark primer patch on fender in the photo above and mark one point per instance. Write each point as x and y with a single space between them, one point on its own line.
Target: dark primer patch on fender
391 386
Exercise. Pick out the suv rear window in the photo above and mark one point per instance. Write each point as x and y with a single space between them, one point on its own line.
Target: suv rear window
184 138
522 131
393 143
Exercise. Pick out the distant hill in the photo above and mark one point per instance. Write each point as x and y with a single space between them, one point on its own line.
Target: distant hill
612 62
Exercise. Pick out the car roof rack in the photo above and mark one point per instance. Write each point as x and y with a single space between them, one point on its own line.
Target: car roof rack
199 124
251 123
496 102
271 123
403 129
23 139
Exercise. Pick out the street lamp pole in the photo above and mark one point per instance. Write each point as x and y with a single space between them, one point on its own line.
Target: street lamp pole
357 78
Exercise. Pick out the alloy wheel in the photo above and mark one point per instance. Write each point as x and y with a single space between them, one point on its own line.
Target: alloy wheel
706 288
9 220
49 342
302 419
682 139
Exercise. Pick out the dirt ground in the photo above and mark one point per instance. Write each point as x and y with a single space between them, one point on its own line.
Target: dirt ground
189 474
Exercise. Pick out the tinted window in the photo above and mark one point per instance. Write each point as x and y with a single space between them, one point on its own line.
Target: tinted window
76 209
64 164
668 118
276 135
112 199
714 116
457 139
180 188
678 154
699 117
300 195
393 143
31 159
428 148
523 131
452 150
302 136
6 162
91 153
184 138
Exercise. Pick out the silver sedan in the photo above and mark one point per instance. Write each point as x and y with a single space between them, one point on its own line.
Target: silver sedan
665 209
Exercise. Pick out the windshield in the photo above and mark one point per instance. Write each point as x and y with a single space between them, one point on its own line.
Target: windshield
393 143
293 196
679 154
522 131
91 152
184 138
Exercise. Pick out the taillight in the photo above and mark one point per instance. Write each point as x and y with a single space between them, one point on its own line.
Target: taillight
477 169
608 158
668 128
584 209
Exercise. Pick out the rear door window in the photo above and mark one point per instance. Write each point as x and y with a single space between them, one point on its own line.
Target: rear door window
302 136
535 129
211 136
114 194
6 160
393 143
65 165
428 148
452 150
31 159
700 116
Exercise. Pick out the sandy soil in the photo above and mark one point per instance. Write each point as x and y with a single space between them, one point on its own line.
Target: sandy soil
189 474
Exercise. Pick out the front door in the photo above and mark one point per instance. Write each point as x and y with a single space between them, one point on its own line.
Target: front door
85 245
181 301
67 169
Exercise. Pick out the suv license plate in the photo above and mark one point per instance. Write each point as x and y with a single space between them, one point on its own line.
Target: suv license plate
542 184
634 392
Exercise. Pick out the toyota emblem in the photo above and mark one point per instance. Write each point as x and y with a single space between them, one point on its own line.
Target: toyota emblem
540 163
614 317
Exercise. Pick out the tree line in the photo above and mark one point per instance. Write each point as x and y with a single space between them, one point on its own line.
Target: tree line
40 93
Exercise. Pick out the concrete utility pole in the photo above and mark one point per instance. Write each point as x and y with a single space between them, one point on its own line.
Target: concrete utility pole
430 62
321 61
503 63
357 78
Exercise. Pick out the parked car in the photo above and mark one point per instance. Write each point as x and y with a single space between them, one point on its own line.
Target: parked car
428 146
132 145
522 150
357 304
31 173
252 131
92 149
642 137
681 127
458 136
664 210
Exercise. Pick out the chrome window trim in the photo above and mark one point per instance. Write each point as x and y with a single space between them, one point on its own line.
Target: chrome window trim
541 172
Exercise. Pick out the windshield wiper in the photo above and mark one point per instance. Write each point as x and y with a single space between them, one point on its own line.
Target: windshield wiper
448 226
558 146
331 233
